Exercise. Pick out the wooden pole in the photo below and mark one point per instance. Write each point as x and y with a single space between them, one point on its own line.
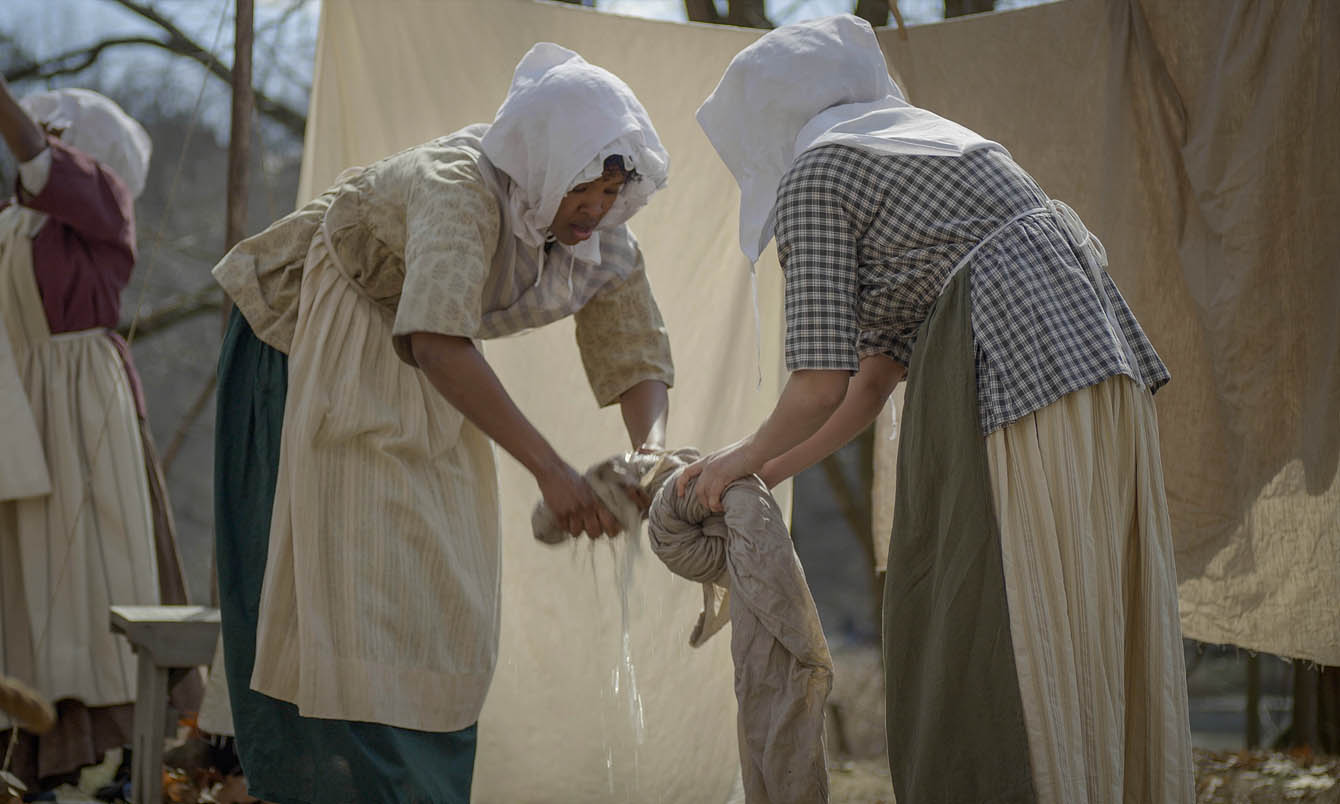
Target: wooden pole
1253 700
239 157
1305 689
239 138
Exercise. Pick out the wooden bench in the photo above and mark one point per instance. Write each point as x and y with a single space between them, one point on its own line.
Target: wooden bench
163 638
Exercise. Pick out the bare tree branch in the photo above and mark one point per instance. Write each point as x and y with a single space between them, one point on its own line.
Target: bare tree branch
176 41
174 311
72 61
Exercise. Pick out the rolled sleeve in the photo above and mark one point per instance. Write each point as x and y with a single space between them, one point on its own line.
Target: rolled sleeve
883 342
817 250
622 338
452 223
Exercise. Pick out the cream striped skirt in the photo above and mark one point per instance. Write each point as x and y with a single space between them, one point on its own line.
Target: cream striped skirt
1086 547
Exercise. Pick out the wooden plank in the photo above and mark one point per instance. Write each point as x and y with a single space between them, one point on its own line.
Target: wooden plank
169 636
146 773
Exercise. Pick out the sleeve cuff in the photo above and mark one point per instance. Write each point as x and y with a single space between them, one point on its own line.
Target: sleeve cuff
34 173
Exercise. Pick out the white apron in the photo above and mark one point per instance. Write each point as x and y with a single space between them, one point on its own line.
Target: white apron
67 555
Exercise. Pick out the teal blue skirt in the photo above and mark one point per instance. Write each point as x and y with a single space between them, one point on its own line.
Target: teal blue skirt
288 758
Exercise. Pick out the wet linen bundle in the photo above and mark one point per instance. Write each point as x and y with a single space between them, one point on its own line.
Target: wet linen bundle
752 578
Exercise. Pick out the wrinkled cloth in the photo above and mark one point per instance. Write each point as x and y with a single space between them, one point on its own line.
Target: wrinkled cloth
783 671
561 119
760 120
94 124
609 480
1206 167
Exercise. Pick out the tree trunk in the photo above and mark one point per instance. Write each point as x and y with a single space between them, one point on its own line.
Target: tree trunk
875 12
744 13
960 8
1316 708
747 14
701 11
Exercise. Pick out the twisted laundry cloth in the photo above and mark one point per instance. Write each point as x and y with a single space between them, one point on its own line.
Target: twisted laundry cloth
783 672
610 480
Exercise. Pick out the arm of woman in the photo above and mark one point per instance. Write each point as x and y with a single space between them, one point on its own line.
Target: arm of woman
807 402
646 409
625 351
867 393
21 133
464 378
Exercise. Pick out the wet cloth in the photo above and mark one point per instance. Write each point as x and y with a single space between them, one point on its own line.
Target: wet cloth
290 759
783 671
609 480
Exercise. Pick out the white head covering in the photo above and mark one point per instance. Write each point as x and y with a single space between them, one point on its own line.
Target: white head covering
806 85
561 119
94 124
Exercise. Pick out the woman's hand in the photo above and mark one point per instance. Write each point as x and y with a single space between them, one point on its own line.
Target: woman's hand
640 496
717 471
574 504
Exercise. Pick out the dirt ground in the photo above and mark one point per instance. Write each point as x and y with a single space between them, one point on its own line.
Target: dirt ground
1256 777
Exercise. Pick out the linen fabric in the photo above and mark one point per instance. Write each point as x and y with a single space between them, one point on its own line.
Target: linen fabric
1202 164
783 671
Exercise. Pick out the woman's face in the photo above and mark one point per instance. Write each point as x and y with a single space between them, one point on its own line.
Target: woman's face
584 206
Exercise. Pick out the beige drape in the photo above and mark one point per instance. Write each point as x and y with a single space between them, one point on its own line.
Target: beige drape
408 71
1197 139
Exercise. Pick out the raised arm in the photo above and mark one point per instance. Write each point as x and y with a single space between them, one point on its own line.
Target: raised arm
23 136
